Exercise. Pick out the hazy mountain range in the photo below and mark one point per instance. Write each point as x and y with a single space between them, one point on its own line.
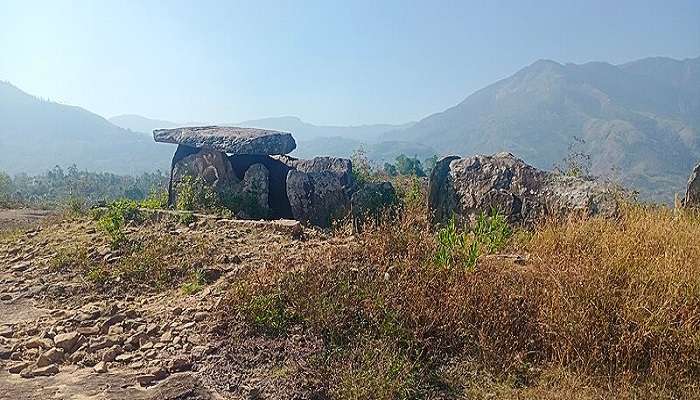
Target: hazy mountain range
640 122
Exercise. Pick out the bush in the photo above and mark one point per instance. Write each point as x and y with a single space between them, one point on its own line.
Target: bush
112 220
157 199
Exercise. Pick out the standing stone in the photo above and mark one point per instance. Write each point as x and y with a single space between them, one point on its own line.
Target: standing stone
256 187
341 167
692 194
317 197
211 167
466 187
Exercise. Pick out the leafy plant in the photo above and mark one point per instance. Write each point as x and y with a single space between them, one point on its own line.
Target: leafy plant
112 221
196 282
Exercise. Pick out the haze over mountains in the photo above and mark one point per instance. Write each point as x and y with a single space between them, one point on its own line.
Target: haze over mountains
640 122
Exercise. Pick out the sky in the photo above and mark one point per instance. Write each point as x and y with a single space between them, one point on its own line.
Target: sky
346 62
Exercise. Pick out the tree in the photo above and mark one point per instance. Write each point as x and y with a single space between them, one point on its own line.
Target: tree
390 169
409 166
429 164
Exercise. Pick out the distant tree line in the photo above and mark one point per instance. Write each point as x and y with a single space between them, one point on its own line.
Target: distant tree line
410 166
57 185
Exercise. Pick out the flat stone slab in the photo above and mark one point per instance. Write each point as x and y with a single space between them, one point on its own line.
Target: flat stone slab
229 139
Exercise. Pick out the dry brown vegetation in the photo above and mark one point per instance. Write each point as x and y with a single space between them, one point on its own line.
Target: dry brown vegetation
600 309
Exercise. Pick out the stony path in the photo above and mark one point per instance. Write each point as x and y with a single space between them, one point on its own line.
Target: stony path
59 339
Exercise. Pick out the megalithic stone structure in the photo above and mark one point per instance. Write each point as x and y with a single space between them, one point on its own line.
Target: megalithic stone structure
250 168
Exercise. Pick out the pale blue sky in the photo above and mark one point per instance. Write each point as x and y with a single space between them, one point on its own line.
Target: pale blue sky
328 62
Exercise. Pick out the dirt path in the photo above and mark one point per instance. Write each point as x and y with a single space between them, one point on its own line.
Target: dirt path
23 218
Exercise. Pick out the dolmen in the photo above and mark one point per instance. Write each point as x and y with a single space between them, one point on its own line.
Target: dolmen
251 172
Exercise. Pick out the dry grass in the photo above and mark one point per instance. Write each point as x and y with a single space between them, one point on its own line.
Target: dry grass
602 309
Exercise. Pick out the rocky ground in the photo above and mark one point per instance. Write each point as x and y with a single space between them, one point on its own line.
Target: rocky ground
63 337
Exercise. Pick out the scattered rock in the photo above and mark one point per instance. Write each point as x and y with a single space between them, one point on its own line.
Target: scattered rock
146 379
39 343
6 331
112 353
5 297
201 316
66 341
51 356
18 367
100 367
33 371
179 364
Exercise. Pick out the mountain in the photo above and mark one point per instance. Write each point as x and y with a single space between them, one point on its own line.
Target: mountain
36 135
640 121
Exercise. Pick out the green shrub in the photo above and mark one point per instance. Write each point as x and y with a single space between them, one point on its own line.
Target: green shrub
186 218
157 199
195 283
112 220
194 194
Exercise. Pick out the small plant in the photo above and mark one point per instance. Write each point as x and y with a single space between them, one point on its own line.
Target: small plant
69 257
112 221
196 282
361 168
186 218
488 234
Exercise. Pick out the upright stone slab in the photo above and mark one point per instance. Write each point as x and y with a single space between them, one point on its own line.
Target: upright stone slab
341 167
229 139
692 194
212 167
316 197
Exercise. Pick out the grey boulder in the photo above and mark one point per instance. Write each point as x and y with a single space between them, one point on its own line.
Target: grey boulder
466 187
229 139
316 197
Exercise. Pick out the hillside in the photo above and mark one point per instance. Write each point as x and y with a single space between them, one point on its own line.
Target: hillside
640 120
36 135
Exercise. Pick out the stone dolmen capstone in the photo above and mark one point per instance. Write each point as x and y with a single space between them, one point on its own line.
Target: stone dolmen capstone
466 187
249 168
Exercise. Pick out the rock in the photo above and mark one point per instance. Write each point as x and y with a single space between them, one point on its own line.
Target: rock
166 337
317 197
6 331
158 371
692 194
126 357
66 341
466 187
371 201
135 340
179 364
229 139
21 267
340 167
18 367
39 343
201 316
5 297
114 319
78 356
112 353
5 352
88 330
256 189
31 372
100 367
146 379
51 356
211 167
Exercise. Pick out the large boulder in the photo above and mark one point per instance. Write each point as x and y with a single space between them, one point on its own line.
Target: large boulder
466 187
229 139
692 194
341 167
316 197
370 202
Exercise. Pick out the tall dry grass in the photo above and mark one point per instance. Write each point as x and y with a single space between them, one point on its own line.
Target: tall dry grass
612 303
